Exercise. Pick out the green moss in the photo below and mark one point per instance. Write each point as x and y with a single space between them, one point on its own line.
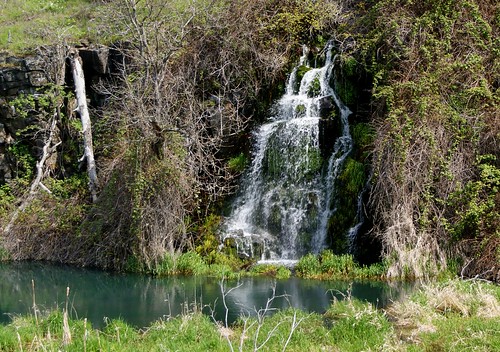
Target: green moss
301 71
347 91
363 134
238 163
349 66
315 88
300 110
353 176
349 184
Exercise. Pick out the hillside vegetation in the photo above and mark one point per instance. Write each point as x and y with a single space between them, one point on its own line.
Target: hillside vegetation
436 70
27 24
197 75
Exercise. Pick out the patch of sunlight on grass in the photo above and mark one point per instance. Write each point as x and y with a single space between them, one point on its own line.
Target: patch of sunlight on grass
30 23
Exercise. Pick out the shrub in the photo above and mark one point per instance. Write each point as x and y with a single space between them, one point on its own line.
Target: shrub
337 265
308 266
191 263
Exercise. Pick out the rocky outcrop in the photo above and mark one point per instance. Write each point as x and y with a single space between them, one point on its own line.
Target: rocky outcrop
31 75
21 75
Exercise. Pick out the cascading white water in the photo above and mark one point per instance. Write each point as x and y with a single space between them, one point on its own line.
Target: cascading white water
285 202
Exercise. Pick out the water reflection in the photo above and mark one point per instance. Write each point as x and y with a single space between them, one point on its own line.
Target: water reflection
139 300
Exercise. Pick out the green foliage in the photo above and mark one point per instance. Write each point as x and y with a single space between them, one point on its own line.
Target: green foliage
4 255
308 266
23 161
301 71
134 265
300 19
337 265
349 66
363 135
300 110
315 88
328 266
6 200
353 177
273 270
238 163
347 91
191 263
435 106
167 266
75 185
208 242
349 185
347 84
222 271
476 202
23 104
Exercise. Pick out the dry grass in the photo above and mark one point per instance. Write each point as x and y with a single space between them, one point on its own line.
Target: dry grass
424 312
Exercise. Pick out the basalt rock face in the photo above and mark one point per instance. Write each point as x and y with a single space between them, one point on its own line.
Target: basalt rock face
21 75
32 76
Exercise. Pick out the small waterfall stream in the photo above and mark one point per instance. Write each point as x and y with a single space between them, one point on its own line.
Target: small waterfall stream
285 200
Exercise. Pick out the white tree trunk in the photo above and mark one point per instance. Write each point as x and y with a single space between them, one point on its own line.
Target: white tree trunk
78 78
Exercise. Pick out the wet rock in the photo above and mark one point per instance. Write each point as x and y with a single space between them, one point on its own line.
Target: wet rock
330 125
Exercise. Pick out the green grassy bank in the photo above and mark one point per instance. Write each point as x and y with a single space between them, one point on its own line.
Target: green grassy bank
452 316
324 266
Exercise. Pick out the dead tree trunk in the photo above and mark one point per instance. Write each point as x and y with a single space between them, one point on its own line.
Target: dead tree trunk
79 79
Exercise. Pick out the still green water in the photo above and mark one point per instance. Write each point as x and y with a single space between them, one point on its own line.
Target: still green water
139 299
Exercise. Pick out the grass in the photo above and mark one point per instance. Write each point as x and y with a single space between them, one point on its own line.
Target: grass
326 266
456 315
27 24
452 316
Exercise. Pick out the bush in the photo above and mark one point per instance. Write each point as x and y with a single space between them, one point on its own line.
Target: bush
308 266
191 263
337 265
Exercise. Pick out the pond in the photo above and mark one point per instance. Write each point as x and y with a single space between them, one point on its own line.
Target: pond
139 300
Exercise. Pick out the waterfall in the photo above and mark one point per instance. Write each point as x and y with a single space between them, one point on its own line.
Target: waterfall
285 200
